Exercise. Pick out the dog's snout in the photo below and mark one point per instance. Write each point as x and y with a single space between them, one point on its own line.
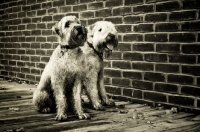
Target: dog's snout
111 36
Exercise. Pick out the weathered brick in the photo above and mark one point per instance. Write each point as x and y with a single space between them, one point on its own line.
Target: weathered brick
36 32
79 7
155 96
30 77
143 47
72 2
133 2
121 11
191 48
181 100
58 3
35 45
20 63
111 3
191 4
133 37
127 92
121 64
35 58
169 68
155 57
95 5
182 37
47 5
41 52
30 64
36 7
156 37
168 48
106 12
191 26
166 87
30 39
190 90
40 39
132 19
116 56
46 45
143 28
21 51
120 82
30 51
115 20
93 20
123 28
183 15
143 9
168 6
193 70
142 84
132 74
132 56
167 27
113 90
88 14
156 17
112 73
152 76
188 59
41 26
124 47
142 66
180 79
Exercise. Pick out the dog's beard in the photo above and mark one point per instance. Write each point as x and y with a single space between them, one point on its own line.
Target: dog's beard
79 36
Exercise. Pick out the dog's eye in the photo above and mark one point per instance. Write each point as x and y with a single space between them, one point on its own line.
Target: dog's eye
66 24
100 30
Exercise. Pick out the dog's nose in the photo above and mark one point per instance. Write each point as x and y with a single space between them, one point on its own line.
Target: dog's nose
111 36
78 28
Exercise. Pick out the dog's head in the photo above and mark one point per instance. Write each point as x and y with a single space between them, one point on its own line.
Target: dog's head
103 36
70 31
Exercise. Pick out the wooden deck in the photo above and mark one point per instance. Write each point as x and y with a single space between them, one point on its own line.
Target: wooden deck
18 114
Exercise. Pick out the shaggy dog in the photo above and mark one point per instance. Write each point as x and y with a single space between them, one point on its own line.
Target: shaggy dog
63 72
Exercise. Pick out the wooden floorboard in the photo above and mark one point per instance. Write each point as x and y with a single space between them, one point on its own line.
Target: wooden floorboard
17 113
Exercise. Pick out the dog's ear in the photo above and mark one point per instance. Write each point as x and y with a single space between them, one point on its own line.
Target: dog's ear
56 29
90 28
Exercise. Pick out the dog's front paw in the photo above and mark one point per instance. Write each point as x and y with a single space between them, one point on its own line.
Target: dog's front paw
98 106
61 117
109 103
84 116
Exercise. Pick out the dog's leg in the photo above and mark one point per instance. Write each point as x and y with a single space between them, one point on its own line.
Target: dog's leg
43 95
90 85
60 97
102 90
76 97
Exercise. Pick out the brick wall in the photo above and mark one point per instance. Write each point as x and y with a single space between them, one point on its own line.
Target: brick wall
158 57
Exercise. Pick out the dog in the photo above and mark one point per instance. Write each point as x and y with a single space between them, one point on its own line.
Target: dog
60 81
102 38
